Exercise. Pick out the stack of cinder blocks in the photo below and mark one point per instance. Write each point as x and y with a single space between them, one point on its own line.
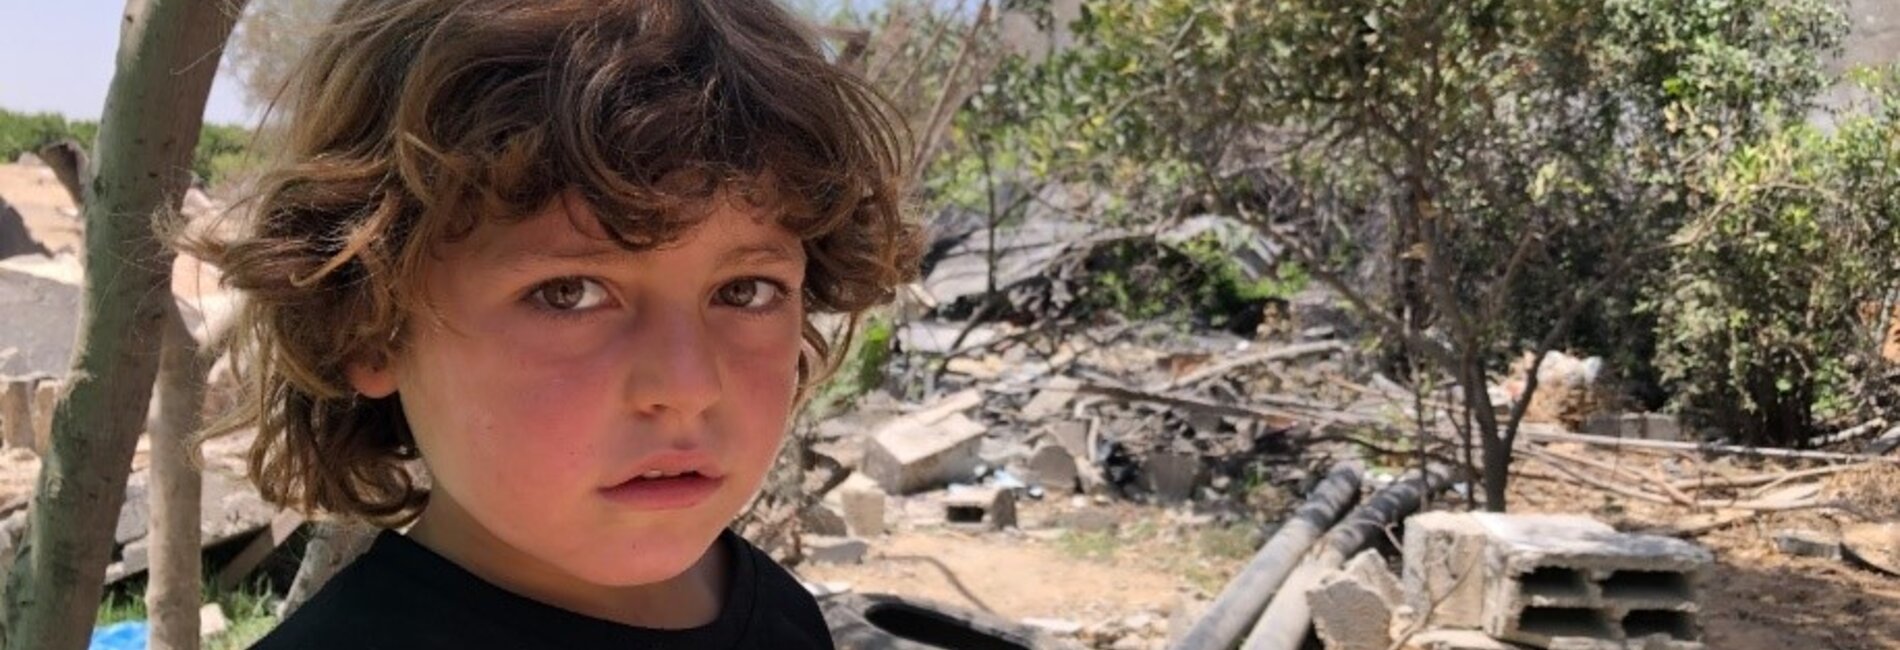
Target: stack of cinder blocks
1564 582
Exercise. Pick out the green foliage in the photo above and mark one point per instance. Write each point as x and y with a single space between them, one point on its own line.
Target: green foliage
223 150
1196 283
862 369
1783 291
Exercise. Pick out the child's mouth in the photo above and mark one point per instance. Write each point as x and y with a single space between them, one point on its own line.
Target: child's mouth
662 491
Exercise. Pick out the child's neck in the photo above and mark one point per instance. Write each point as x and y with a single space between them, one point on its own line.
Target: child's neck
691 599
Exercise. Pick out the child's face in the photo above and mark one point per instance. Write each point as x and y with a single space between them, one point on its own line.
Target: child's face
564 367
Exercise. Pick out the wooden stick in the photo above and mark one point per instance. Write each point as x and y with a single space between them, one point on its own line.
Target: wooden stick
1750 480
1276 354
1545 433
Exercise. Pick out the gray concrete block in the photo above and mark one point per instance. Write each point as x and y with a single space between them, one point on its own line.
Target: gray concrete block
1352 607
1808 543
1443 577
930 448
992 507
1172 476
1647 426
1055 470
1555 581
863 510
1456 640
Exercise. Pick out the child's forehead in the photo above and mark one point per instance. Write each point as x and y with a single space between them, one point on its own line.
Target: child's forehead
572 227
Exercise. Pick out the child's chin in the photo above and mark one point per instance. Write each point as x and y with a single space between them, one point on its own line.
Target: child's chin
656 558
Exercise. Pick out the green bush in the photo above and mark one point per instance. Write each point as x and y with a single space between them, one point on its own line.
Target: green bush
1774 310
223 150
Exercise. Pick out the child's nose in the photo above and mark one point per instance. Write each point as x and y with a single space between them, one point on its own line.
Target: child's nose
675 372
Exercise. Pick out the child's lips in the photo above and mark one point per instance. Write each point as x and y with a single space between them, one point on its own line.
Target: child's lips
666 493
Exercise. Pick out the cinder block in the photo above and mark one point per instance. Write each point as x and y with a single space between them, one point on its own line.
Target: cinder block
922 450
993 507
1648 426
835 550
1568 582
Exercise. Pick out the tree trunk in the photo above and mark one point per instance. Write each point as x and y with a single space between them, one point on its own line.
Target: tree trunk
175 589
154 110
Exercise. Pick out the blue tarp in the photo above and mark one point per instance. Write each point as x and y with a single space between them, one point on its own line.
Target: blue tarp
129 635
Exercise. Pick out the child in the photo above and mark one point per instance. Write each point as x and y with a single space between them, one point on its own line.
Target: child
564 252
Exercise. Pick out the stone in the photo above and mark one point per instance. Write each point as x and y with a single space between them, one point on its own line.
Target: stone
16 413
1875 545
1055 396
211 621
821 519
1172 476
835 550
1055 470
1352 607
863 510
135 514
12 533
926 449
137 556
995 508
1807 543
1073 435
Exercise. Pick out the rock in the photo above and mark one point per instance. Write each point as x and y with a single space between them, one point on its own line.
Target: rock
931 447
12 533
16 413
995 508
863 510
1352 607
1172 476
211 621
820 519
1073 435
1807 543
135 515
823 589
1055 470
835 550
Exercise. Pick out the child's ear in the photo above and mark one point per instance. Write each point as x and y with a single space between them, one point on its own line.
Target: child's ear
375 380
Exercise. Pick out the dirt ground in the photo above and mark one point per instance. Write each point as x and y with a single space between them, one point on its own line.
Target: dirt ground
1155 563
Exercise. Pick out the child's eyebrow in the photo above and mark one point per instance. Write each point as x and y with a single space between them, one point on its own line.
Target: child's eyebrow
758 254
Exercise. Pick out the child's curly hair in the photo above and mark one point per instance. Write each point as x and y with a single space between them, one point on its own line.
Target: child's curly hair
410 123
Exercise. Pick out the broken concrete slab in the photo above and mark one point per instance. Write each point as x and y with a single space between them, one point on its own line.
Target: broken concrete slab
863 510
45 399
934 446
821 519
1171 475
16 413
835 550
1873 545
992 507
1054 469
1073 435
1353 606
37 319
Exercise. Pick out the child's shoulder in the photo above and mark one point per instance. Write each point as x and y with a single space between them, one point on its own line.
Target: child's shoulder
383 600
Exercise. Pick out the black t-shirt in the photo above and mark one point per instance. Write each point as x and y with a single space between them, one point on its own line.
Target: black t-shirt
400 595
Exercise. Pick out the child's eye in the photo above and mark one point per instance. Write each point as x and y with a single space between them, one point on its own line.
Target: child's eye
569 294
755 294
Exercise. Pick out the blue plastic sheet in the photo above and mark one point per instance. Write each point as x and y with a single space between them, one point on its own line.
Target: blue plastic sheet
129 635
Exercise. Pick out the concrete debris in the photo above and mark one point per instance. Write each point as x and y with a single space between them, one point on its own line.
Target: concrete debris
1456 640
1054 469
37 319
1055 626
932 447
1353 606
863 510
1555 581
1807 543
835 550
1055 396
994 508
1172 476
821 519
16 413
1569 389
